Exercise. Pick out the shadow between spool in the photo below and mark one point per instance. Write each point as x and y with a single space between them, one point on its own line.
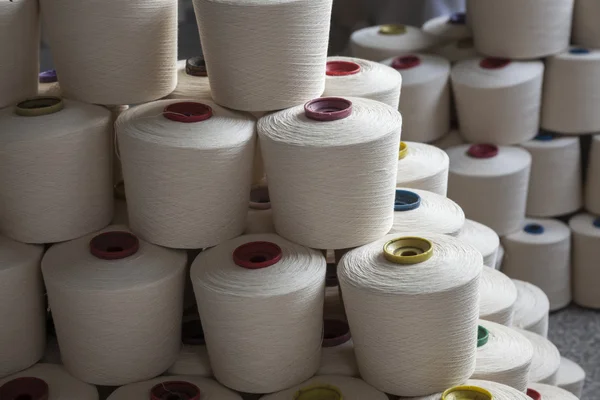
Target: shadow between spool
192 333
38 106
392 29
119 190
259 198
406 200
494 63
188 111
458 18
114 245
196 66
534 394
331 279
319 392
483 151
328 109
408 250
335 332
406 62
256 255
175 390
467 393
26 388
341 68
48 76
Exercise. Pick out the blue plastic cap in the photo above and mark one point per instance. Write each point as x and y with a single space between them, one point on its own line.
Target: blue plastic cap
544 137
458 18
49 76
534 229
597 222
406 200
579 50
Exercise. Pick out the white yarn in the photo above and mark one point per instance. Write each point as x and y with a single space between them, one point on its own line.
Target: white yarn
435 213
492 191
193 356
55 171
592 187
113 52
571 83
542 259
586 252
552 392
424 167
498 105
500 257
555 182
61 385
370 44
456 51
571 377
313 203
22 309
264 55
260 215
132 306
497 390
20 46
483 238
197 195
338 360
413 326
498 297
373 81
531 309
451 139
443 28
506 358
349 388
425 100
280 345
586 31
209 389
546 359
190 86
515 29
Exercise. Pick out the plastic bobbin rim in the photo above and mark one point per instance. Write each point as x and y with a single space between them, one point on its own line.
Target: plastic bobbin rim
196 66
534 229
544 137
319 392
180 390
467 393
335 332
328 109
188 111
596 222
466 43
403 150
406 200
119 190
114 245
483 335
494 63
48 76
341 68
406 62
392 29
331 279
192 333
458 18
579 51
38 106
259 198
408 250
256 255
30 388
534 394
483 150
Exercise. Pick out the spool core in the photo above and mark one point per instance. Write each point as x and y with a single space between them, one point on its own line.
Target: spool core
392 29
39 106
597 222
192 333
259 198
534 229
328 109
187 111
483 151
534 394
458 18
119 190
408 250
494 63
319 392
482 336
196 66
403 150
544 137
175 390
48 76
26 388
467 393
256 255
406 62
114 245
579 50
406 200
341 68
335 332
331 279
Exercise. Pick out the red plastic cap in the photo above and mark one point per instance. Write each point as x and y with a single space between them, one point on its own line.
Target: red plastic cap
483 151
175 390
114 245
328 109
534 394
259 198
406 62
494 63
26 388
256 255
342 68
335 332
187 111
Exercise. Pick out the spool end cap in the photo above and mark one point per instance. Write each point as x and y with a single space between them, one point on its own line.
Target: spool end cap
406 62
256 255
328 109
406 200
48 76
342 68
458 18
196 66
483 336
494 63
392 29
180 390
187 111
534 229
30 388
483 151
408 250
534 394
114 245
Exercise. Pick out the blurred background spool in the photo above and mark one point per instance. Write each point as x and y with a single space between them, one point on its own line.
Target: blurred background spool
175 387
549 392
22 308
19 41
571 86
281 286
377 43
451 139
571 376
586 31
425 99
120 216
505 357
330 387
483 239
260 215
531 308
497 298
337 355
476 389
555 182
490 184
448 27
426 212
314 204
197 195
48 84
540 253
333 307
500 257
457 50
46 381
250 68
592 187
354 77
127 292
546 359
192 80
402 332
423 166
131 62
512 29
193 356
65 143
586 253
498 101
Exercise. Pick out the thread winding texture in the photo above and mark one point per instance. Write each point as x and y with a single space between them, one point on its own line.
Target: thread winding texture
586 253
371 44
424 167
546 359
498 297
571 377
483 239
586 31
339 387
592 187
190 86
531 308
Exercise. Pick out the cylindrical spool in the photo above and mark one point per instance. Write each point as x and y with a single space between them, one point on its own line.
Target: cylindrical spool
186 211
498 101
571 377
511 30
555 181
490 189
361 78
296 145
337 355
36 132
592 187
192 80
531 308
549 392
498 297
329 387
585 30
377 43
179 387
540 253
425 99
105 271
20 43
546 359
260 215
448 27
483 238
118 71
247 276
586 253
505 358
451 139
365 274
423 167
427 212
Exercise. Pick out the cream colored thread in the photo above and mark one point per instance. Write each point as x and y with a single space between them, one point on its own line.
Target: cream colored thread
586 253
497 298
444 30
369 44
546 359
451 139
456 51
483 238
586 31
190 86
570 377
351 389
531 309
424 167
592 187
